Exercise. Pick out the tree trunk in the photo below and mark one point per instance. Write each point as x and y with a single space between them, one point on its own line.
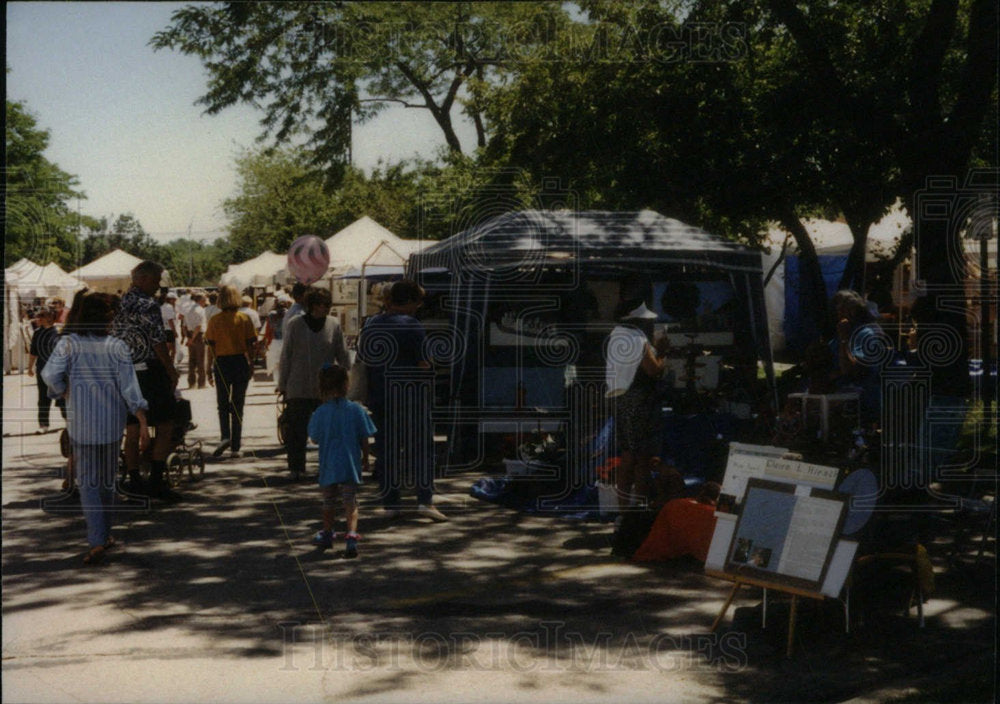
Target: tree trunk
813 287
443 118
854 271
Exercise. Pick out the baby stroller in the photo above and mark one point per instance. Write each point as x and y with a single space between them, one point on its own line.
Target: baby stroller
184 455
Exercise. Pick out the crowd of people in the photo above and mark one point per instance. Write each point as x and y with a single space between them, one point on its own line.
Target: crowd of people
113 370
128 350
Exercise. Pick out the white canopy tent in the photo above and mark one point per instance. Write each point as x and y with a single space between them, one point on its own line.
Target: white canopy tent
14 344
259 271
110 273
27 281
387 259
24 282
19 267
351 248
57 282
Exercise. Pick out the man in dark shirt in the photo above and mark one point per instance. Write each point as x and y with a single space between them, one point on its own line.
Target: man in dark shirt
140 324
43 341
400 393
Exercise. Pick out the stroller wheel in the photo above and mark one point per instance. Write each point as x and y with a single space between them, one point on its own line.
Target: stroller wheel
198 458
175 468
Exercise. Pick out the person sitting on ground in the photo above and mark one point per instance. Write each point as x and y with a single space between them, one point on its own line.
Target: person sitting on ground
94 371
683 527
341 429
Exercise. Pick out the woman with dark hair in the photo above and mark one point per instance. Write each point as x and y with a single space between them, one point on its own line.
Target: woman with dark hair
231 341
94 372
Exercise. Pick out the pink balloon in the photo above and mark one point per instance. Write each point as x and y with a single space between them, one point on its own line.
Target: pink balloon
308 259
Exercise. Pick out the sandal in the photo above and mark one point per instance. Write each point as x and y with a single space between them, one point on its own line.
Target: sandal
111 543
95 556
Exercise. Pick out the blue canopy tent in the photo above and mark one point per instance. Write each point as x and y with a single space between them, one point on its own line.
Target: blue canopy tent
526 297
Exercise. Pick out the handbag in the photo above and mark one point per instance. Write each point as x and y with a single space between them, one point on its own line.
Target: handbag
357 385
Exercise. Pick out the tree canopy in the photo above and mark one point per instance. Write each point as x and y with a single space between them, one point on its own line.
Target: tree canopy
313 68
280 196
39 222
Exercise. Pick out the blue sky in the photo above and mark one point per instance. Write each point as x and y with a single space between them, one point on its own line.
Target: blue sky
122 117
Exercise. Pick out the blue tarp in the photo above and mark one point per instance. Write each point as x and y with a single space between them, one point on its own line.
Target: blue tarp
580 505
799 330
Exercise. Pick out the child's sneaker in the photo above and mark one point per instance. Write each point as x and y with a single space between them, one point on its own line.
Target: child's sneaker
323 539
351 546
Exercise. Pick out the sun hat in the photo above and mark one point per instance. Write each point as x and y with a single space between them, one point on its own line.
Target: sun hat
641 312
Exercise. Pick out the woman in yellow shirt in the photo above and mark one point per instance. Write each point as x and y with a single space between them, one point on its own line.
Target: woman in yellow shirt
232 342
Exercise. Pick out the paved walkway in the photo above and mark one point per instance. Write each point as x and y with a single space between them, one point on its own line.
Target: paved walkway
221 598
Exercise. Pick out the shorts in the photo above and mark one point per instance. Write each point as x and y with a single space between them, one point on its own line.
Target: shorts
158 392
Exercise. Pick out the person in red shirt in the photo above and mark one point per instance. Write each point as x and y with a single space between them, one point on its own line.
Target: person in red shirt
683 527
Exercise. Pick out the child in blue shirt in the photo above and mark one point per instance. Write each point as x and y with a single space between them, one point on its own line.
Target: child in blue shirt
341 429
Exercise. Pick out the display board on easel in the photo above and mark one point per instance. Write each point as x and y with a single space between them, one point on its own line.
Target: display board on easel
786 533
787 538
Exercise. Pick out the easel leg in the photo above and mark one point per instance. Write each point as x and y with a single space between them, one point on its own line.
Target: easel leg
725 607
791 625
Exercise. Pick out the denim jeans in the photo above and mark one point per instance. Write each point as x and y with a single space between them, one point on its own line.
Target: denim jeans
96 466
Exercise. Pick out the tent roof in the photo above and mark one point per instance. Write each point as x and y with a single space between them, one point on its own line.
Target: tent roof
21 266
55 275
260 269
115 264
352 245
34 280
534 237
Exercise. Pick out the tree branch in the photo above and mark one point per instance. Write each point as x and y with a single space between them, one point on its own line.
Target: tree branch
439 112
424 91
813 48
404 103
